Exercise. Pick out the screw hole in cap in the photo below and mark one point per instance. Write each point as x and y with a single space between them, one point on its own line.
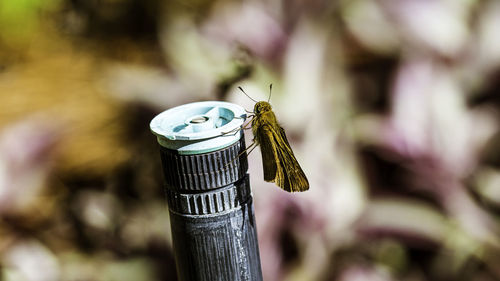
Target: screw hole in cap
199 119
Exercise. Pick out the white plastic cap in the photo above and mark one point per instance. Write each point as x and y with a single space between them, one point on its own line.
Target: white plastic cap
199 127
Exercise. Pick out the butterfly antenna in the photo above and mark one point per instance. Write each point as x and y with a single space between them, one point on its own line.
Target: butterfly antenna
270 91
241 89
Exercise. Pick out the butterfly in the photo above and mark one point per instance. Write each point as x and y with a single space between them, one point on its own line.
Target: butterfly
278 161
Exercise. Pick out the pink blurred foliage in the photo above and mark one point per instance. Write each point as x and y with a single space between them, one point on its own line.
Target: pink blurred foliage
27 152
284 228
430 26
427 99
363 272
243 23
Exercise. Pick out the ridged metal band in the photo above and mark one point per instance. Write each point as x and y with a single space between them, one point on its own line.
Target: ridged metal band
201 172
213 202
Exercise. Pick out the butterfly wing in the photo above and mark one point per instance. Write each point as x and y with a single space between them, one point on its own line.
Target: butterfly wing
294 177
267 147
279 162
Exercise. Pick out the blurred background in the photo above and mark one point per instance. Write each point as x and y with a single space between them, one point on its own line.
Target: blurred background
391 106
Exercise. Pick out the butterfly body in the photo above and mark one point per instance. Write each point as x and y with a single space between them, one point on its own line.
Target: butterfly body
279 163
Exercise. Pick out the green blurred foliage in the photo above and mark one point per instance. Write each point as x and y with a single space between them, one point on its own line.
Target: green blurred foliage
21 19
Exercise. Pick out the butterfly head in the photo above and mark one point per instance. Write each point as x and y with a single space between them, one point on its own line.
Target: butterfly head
261 107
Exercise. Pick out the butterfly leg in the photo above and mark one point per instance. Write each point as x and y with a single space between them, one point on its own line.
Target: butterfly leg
250 115
254 144
246 126
251 147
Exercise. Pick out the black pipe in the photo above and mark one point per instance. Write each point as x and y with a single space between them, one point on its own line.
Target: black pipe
211 212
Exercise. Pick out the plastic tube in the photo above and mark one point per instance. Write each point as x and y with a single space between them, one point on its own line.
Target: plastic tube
208 192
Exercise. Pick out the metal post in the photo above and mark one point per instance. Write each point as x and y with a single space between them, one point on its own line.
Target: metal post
208 192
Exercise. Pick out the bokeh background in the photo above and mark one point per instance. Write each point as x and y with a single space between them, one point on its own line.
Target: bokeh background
391 106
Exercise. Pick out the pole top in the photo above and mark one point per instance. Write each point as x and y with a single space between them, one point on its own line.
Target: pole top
199 127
